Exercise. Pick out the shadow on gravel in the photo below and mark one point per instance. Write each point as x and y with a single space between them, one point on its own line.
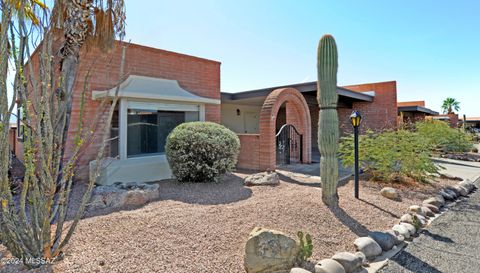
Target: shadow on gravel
357 228
229 190
437 237
411 263
381 209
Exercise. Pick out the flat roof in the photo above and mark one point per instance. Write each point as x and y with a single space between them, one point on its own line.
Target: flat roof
417 108
303 88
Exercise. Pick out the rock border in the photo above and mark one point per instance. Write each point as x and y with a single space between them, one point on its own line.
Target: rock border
380 243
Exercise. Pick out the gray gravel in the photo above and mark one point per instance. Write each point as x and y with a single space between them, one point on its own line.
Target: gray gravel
450 245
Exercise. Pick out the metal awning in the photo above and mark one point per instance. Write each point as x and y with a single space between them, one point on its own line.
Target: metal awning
417 108
150 88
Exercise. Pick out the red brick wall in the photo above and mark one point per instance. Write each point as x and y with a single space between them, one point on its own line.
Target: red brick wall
296 112
197 75
377 115
411 103
249 157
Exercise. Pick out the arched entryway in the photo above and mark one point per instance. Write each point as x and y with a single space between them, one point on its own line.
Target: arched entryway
296 113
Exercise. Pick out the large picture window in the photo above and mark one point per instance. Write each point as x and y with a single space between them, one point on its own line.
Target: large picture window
147 130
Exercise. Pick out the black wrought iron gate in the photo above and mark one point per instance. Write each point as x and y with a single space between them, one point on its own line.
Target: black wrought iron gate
289 145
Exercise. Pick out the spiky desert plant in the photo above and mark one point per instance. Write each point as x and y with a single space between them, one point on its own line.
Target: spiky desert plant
327 66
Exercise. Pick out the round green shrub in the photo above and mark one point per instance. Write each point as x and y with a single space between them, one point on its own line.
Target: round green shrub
201 151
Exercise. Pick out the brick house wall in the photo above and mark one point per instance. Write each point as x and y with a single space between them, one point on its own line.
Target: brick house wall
197 75
377 115
249 156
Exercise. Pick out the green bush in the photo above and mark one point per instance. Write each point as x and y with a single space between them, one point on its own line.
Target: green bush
201 151
391 155
443 137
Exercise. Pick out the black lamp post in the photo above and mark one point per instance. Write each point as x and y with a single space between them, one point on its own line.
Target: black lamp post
355 119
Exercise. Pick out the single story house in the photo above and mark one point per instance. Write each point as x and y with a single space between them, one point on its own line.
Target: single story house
413 111
163 89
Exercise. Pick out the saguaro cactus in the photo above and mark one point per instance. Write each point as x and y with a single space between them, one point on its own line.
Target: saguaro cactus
327 66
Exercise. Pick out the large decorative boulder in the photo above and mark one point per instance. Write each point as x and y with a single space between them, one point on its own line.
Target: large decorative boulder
269 251
123 195
385 240
368 246
262 179
329 266
349 261
390 193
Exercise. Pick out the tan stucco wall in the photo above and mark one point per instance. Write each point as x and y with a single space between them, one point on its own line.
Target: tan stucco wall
245 123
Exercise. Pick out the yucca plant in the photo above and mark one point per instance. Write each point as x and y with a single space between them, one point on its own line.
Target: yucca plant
327 66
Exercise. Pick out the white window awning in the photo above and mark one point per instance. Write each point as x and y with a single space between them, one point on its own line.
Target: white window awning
150 88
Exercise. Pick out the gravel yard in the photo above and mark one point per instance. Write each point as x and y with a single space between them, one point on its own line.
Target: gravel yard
203 227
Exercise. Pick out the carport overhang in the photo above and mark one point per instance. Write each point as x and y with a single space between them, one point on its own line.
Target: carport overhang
418 109
256 97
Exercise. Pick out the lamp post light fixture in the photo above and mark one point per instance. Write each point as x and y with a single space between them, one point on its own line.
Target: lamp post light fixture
355 119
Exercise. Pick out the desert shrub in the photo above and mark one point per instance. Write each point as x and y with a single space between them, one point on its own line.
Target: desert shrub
391 155
443 137
201 151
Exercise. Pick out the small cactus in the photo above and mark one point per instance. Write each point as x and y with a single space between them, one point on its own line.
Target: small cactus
306 246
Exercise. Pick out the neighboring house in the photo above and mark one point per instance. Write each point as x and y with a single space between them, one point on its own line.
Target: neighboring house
413 111
472 122
162 89
451 119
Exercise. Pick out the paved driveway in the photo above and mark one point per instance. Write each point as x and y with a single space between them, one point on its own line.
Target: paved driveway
450 245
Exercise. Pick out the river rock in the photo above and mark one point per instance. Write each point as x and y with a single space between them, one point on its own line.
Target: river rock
362 257
385 240
262 179
269 250
390 193
437 202
406 218
349 261
397 238
433 208
411 228
329 266
427 212
447 195
467 184
402 230
415 209
461 190
299 270
368 246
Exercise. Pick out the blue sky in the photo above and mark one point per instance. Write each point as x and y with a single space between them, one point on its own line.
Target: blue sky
431 48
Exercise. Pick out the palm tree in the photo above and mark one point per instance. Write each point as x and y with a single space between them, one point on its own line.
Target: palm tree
450 104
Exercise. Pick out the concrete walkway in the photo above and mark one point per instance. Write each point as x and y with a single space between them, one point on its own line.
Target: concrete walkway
451 244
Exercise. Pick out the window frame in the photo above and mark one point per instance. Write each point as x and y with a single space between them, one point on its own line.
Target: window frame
126 104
